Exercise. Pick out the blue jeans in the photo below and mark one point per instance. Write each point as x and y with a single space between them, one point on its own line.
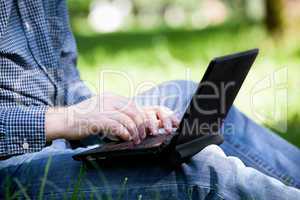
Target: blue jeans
252 163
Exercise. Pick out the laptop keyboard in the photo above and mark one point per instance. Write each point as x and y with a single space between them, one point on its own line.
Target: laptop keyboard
150 141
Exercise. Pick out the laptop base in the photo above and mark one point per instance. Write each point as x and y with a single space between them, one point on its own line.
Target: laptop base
166 154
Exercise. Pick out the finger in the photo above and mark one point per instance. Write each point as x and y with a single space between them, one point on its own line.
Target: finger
138 117
175 121
153 121
115 129
127 122
145 124
165 116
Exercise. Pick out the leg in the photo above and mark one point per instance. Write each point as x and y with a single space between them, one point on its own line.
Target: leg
256 146
209 175
175 95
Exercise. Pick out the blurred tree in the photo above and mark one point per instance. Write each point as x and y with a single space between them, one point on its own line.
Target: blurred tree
79 7
274 16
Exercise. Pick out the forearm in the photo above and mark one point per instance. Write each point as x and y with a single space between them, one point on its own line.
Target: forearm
66 123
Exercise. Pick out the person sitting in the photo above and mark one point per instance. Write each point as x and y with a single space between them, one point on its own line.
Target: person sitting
44 105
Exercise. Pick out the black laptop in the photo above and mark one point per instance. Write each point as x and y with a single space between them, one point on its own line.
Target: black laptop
199 126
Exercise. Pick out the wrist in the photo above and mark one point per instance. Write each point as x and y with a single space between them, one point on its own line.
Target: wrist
56 123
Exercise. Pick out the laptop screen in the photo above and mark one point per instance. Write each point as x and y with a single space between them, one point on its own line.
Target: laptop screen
215 95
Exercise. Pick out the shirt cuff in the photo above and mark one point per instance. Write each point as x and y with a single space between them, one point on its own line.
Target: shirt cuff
22 130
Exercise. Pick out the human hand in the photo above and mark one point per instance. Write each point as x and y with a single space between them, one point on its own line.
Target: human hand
109 114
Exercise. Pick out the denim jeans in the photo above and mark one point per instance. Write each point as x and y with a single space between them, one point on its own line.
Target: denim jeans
252 163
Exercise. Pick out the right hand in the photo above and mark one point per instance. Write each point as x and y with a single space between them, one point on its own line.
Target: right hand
113 115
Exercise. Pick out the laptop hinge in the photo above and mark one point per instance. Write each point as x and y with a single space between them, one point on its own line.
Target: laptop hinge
191 148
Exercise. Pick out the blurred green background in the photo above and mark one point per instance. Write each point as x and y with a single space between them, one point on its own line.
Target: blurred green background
160 40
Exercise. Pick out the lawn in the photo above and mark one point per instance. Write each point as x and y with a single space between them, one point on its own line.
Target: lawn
269 96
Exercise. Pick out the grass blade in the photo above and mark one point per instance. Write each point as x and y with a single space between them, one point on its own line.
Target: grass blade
23 190
75 193
44 179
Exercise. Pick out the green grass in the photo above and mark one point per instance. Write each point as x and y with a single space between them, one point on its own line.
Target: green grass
160 55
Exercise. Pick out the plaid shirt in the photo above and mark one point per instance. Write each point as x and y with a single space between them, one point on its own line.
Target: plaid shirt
37 70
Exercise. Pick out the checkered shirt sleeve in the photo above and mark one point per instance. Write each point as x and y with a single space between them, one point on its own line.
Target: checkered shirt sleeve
22 129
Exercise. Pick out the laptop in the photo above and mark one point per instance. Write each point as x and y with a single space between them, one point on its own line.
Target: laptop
200 124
